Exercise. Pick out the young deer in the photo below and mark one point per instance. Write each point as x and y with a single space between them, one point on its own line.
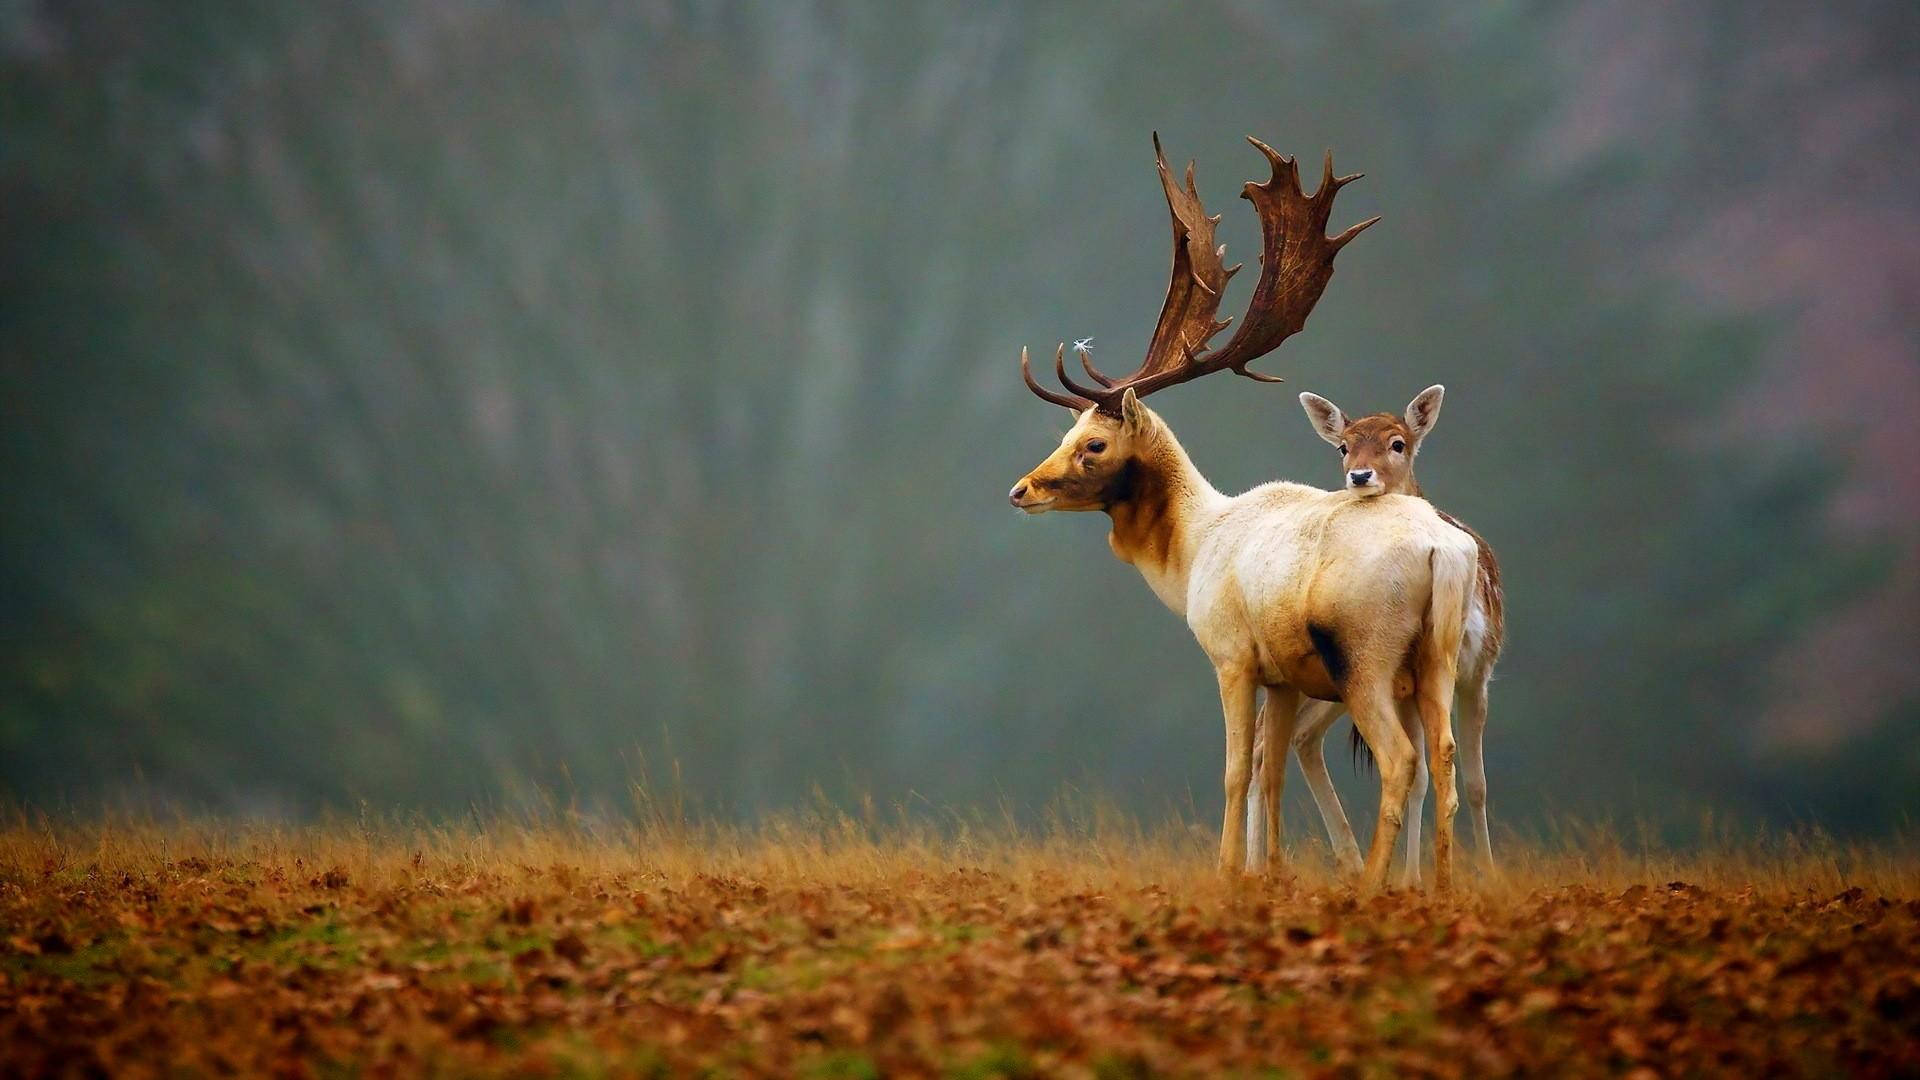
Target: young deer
1303 592
1376 457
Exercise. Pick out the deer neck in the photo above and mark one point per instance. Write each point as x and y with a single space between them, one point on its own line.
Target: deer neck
1156 504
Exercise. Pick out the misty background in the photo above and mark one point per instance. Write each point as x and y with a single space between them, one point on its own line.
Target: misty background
433 404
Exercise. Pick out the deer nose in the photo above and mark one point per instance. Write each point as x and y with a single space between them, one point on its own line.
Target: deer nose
1359 477
1019 492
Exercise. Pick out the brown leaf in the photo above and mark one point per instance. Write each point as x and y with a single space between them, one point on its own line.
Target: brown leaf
571 947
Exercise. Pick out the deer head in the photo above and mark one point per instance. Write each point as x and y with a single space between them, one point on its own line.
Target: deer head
1089 470
1377 452
1096 464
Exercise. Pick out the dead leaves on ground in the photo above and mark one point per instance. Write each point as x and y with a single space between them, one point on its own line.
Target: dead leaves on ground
256 967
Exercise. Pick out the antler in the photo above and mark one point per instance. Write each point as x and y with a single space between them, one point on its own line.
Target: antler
1295 264
1186 321
1077 404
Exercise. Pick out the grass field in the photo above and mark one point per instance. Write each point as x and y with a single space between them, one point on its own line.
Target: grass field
834 948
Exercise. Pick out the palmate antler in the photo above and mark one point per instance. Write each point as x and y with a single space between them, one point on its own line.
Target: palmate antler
1295 264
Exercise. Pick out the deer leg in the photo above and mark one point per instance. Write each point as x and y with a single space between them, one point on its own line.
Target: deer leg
1236 702
1276 722
1370 702
1417 794
1473 762
1256 802
1436 715
1309 737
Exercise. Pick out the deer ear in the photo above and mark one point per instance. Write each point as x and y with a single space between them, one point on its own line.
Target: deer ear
1327 418
1424 410
1133 415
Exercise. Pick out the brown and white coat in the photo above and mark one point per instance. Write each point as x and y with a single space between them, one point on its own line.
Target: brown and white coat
1377 455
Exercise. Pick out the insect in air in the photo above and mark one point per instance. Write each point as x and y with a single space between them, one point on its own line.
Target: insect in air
1083 346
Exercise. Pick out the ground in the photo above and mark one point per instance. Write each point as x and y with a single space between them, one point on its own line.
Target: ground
838 949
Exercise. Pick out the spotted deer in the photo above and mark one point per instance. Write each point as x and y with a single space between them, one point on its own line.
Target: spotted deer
1287 588
1376 458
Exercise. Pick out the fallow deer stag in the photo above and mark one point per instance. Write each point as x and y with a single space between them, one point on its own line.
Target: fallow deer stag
1287 587
1376 458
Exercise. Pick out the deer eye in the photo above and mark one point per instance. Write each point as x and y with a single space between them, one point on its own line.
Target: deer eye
1094 446
1399 447
1343 449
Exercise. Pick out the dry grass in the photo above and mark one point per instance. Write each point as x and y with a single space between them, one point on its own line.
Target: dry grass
1082 842
837 945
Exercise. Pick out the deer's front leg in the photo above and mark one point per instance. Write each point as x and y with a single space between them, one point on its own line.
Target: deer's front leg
1410 724
1256 806
1236 702
1309 735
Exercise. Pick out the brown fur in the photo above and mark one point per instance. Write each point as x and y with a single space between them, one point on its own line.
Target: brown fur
1369 442
1143 521
1127 479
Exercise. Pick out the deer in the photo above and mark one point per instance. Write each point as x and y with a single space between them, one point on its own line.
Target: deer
1290 590
1377 456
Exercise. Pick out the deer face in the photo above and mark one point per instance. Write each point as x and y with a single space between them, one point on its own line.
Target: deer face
1376 452
1090 469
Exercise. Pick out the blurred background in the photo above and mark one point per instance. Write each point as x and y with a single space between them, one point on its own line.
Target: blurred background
429 405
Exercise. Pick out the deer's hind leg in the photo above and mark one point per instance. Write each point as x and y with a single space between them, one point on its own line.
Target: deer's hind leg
1435 697
1473 762
1370 701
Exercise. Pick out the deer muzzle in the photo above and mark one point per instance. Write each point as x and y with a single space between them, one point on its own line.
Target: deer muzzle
1024 496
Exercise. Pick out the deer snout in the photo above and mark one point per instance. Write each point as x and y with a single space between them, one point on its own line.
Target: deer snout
1359 477
1030 495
